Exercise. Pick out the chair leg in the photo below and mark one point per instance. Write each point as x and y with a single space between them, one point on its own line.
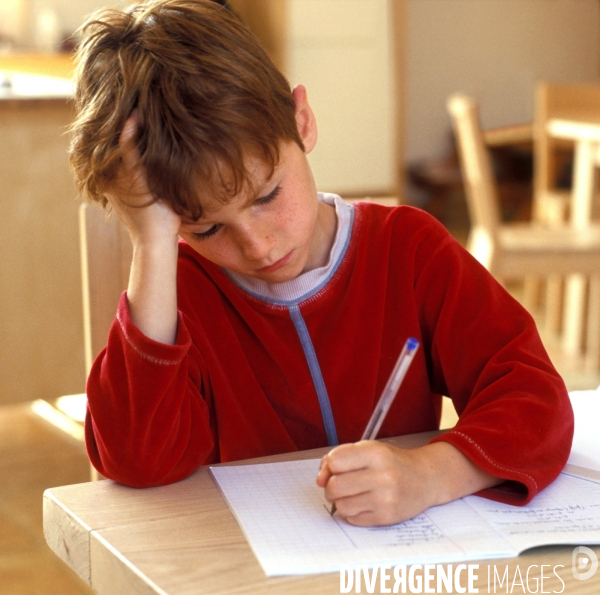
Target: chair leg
592 352
94 475
554 214
531 293
573 315
554 301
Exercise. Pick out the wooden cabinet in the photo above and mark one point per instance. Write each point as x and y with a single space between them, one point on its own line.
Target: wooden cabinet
41 329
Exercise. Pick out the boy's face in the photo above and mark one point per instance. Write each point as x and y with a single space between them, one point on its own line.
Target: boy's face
280 230
274 234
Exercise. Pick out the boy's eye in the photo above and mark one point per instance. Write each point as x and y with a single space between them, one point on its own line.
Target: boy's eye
263 200
269 197
206 234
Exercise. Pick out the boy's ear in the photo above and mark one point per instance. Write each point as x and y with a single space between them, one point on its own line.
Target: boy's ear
305 118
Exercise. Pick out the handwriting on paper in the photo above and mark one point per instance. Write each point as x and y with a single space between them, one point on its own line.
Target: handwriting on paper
549 519
417 530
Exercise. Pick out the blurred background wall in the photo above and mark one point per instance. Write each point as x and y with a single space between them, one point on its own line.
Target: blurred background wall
342 51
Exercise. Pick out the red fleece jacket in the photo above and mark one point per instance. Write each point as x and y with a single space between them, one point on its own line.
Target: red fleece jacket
237 384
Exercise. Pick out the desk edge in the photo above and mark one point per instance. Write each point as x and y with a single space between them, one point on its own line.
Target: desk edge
67 536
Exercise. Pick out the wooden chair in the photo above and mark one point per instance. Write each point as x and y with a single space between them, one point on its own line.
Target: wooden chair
519 249
106 253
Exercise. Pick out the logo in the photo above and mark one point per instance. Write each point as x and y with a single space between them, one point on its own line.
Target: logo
585 563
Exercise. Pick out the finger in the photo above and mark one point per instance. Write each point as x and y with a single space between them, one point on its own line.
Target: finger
380 517
360 455
355 506
129 151
369 509
348 484
367 518
324 473
129 129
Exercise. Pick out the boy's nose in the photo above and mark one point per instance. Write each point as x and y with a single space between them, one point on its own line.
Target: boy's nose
256 245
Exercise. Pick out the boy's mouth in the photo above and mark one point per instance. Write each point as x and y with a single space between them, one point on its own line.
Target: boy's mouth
276 265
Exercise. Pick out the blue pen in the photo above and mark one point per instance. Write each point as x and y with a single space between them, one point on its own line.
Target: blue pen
391 389
389 392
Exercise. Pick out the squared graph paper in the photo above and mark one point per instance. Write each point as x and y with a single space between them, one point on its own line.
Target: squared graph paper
286 520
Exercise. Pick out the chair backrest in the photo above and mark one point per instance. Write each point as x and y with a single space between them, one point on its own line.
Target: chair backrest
579 102
476 166
106 253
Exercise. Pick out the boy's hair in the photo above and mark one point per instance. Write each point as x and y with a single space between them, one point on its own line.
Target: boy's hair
206 94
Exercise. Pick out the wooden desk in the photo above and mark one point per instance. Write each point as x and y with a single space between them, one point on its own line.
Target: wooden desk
183 540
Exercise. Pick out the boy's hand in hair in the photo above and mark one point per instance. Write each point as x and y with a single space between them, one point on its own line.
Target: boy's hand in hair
146 218
153 227
373 483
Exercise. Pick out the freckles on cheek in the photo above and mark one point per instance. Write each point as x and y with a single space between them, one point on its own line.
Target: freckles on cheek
295 217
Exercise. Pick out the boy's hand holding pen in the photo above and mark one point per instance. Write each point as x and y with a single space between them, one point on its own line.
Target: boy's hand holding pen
349 463
372 483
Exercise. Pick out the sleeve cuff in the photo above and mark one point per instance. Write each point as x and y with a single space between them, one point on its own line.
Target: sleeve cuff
147 348
517 489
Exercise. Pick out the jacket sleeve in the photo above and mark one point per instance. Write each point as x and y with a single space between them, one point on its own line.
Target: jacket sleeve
515 416
147 421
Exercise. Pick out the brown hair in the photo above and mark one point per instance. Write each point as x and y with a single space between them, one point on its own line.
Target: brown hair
206 93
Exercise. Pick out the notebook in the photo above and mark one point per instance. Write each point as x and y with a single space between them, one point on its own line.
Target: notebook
287 523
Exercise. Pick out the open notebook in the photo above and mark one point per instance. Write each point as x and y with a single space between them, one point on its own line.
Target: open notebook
286 520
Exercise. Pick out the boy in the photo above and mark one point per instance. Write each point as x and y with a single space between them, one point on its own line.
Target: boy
274 323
